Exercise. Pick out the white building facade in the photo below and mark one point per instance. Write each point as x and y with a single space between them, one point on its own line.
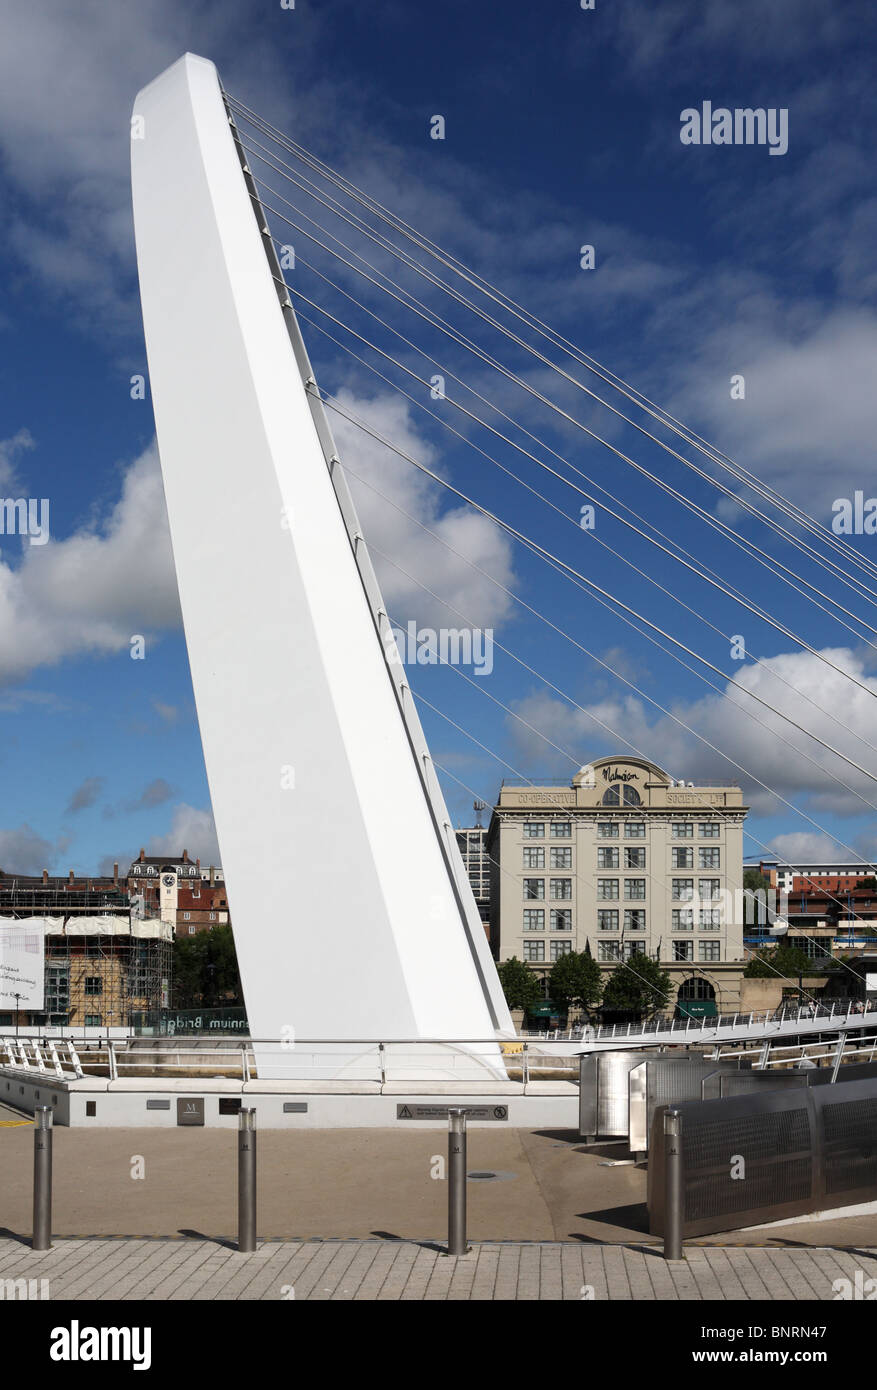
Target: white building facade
622 860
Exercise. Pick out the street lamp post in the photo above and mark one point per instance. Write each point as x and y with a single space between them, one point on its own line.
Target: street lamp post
16 997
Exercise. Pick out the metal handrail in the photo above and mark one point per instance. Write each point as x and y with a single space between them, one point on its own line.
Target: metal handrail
804 1014
117 1058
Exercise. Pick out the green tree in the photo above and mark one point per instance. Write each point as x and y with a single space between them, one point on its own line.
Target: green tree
756 897
206 970
755 881
639 985
519 985
869 883
576 978
775 961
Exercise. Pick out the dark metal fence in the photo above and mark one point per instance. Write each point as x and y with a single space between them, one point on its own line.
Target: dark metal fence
768 1156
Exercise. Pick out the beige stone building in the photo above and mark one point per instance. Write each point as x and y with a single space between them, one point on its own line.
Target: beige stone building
623 859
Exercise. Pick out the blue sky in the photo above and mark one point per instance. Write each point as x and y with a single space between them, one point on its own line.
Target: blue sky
562 128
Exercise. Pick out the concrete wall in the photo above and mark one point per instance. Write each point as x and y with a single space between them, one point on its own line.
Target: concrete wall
356 1105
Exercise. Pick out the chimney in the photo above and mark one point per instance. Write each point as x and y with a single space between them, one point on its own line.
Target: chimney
142 855
198 865
185 856
70 876
45 875
212 875
116 874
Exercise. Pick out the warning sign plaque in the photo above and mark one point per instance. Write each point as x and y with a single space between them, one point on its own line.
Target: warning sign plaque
440 1112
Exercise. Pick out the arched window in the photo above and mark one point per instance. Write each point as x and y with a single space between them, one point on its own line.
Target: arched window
696 988
612 796
631 796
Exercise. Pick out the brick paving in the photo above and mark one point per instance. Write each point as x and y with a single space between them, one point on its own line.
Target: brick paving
162 1269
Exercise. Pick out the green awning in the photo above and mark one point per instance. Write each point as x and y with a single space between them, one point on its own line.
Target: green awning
697 1008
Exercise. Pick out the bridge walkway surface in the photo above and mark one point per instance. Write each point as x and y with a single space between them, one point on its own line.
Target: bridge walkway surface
195 1269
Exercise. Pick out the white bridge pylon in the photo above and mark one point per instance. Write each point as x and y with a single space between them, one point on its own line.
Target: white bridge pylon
353 916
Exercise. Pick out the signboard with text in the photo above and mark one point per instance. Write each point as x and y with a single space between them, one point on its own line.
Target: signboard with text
22 966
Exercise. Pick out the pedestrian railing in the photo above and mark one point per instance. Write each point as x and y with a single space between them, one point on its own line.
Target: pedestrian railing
846 1014
249 1059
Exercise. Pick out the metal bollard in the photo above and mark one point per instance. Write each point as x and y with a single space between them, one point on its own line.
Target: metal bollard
247 1181
42 1178
457 1182
673 1185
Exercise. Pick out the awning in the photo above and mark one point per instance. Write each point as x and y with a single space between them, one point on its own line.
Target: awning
697 1008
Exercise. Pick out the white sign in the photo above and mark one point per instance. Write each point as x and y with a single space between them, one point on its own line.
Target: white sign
870 982
22 965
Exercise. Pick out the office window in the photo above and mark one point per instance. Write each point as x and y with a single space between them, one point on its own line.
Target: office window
534 830
710 918
633 948
607 918
534 857
561 858
191 931
683 830
94 984
710 889
710 830
607 829
634 919
634 858
561 889
682 918
681 857
534 950
561 829
635 830
561 919
211 916
683 950
607 857
635 889
534 919
187 916
682 889
607 888
709 950
93 1020
534 889
560 948
709 857
608 950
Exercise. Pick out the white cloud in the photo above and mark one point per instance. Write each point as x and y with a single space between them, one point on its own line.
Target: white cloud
191 829
23 851
752 743
86 794
10 451
804 847
90 593
684 34
475 538
807 422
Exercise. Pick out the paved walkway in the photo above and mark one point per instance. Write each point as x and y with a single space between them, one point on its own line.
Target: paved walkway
196 1269
366 1183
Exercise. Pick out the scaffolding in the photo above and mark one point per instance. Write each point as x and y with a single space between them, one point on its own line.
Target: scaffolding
101 968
